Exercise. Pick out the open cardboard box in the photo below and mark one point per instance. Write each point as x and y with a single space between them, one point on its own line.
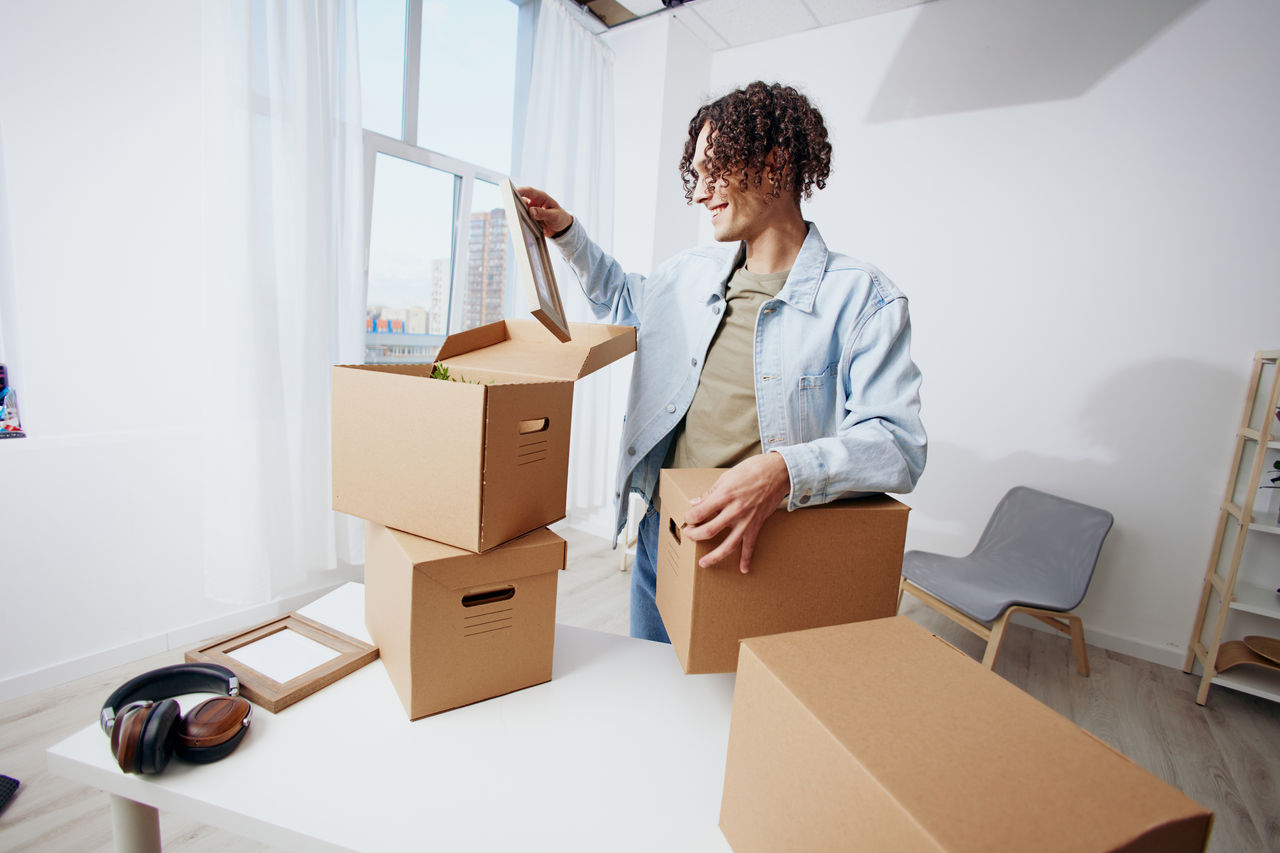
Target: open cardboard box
821 565
880 736
473 462
454 627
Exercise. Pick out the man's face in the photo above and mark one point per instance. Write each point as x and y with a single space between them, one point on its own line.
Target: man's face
736 213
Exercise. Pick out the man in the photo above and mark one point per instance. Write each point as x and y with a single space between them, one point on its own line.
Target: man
785 364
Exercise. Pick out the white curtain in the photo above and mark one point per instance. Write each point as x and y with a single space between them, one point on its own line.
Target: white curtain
568 151
7 336
282 278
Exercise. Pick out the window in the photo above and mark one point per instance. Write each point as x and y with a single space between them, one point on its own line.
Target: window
438 92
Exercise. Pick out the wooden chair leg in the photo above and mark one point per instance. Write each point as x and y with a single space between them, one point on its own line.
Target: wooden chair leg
1077 643
1069 624
997 636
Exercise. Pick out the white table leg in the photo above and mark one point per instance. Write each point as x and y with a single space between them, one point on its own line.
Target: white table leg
136 826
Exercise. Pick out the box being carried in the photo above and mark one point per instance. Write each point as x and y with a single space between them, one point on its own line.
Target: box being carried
880 736
472 462
822 565
454 627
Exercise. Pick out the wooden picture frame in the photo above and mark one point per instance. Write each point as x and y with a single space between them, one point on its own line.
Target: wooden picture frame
533 263
273 695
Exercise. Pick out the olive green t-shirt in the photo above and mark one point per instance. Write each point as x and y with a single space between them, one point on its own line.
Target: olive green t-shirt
721 429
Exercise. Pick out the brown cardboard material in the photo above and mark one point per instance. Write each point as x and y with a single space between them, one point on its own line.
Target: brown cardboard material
453 627
470 463
880 736
822 565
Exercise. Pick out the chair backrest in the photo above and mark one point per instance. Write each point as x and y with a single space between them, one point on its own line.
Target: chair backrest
1056 539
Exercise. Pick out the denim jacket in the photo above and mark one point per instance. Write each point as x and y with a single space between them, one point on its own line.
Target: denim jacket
837 394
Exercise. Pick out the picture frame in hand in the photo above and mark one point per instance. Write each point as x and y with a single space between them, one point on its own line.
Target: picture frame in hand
533 264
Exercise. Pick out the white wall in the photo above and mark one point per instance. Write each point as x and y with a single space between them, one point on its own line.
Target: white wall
661 76
101 534
1082 209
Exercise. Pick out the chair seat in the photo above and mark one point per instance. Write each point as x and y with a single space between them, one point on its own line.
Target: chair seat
983 589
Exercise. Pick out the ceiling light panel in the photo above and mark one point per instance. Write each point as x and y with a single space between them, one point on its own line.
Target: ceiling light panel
838 11
643 7
741 22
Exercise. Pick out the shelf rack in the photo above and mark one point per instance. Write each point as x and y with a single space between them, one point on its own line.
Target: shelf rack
1228 662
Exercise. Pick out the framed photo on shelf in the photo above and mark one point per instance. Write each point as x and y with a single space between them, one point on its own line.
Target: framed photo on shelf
533 263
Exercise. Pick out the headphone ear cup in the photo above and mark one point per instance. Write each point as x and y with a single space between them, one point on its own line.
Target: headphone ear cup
125 737
155 747
212 729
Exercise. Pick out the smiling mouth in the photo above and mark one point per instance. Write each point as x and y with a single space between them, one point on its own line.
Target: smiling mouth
717 210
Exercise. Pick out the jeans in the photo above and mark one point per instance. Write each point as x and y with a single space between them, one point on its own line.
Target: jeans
646 623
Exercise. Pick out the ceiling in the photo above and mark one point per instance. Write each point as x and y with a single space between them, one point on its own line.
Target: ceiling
732 23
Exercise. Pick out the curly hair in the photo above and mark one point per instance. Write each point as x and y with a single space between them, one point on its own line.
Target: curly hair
747 125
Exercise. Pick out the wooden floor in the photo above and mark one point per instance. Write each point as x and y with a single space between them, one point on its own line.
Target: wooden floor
1226 755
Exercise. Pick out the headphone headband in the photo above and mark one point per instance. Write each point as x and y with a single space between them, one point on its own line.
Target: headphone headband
167 682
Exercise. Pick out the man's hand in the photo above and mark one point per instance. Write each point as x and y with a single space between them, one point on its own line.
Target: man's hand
739 502
543 208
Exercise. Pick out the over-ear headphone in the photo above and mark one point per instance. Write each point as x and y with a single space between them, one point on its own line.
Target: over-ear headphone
147 727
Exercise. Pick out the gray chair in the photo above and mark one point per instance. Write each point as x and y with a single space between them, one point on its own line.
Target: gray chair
1036 556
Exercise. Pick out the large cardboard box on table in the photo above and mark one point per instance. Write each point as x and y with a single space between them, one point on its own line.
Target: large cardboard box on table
473 462
821 565
454 627
880 736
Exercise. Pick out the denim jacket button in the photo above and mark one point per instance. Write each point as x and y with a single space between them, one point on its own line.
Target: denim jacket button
671 409
804 499
693 361
631 451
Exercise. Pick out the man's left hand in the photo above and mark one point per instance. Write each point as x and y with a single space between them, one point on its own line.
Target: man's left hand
739 502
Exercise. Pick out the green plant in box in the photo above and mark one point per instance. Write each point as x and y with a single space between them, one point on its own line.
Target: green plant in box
440 370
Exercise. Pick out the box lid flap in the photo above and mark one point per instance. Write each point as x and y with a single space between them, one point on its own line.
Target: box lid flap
455 568
965 752
523 348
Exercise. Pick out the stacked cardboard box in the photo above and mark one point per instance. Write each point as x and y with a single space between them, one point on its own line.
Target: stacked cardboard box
458 479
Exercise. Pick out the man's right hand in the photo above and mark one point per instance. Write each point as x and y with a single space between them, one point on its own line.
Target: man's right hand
552 217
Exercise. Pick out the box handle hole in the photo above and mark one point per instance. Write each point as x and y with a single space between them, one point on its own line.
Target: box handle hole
535 425
489 596
675 531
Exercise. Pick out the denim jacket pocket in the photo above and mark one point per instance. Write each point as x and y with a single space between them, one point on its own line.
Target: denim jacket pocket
816 398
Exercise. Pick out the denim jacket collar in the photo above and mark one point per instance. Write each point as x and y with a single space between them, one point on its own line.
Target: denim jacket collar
801 289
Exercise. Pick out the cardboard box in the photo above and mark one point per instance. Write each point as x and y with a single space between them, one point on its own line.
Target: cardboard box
470 463
822 565
453 627
880 736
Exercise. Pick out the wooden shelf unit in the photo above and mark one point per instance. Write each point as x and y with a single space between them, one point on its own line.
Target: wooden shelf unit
1226 589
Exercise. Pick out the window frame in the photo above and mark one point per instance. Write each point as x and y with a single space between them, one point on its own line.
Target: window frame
465 173
464 177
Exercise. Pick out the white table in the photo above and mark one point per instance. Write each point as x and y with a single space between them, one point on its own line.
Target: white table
620 751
